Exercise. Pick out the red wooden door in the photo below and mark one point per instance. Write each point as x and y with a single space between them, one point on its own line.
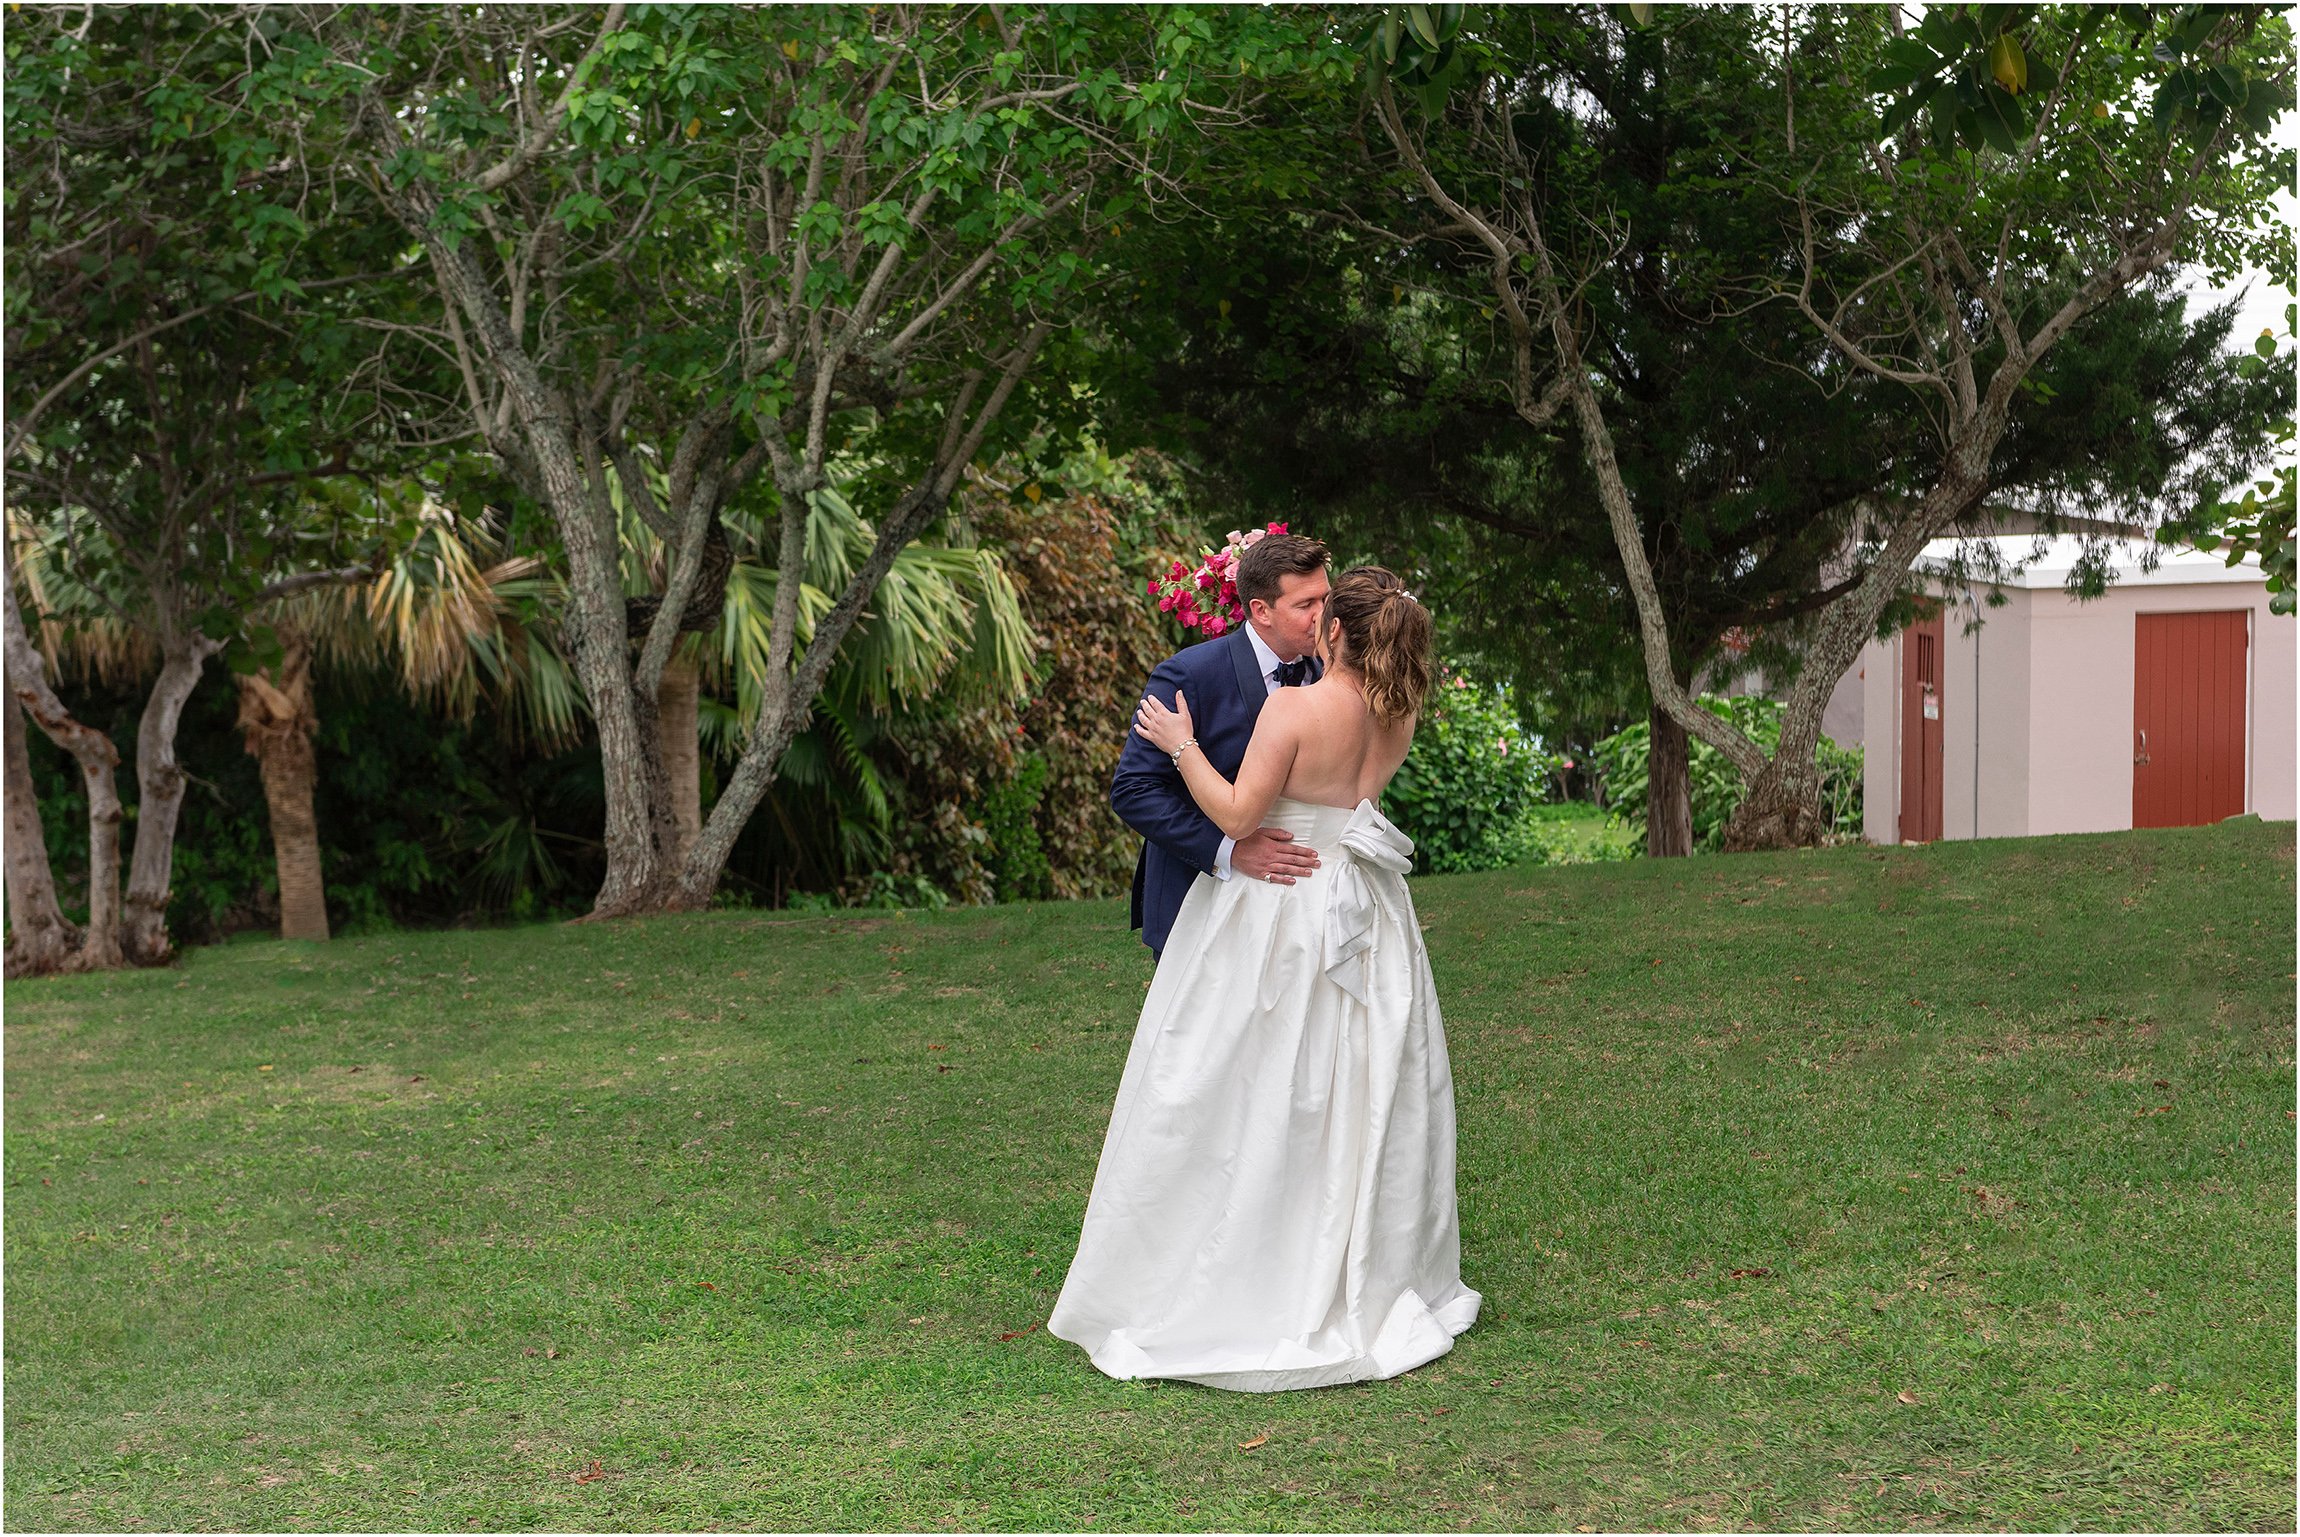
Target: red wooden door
2188 689
1921 674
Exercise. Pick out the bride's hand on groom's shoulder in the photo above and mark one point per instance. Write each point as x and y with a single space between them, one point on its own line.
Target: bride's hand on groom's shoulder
1164 729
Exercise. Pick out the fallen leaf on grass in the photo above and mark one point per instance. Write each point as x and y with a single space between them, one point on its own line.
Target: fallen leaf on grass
2162 1387
591 1474
1752 1270
1905 1396
707 1286
2160 1084
1017 1334
936 1046
2152 1110
1260 1440
1434 1413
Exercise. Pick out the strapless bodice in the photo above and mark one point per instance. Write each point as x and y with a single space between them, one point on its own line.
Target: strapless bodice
1358 849
1318 826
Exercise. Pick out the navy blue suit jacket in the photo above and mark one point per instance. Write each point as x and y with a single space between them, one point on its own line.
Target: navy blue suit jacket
1226 692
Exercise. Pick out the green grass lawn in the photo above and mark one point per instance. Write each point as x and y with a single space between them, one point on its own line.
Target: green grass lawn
1858 1188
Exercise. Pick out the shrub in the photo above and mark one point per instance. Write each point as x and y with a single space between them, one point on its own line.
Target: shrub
1466 790
1017 859
1716 786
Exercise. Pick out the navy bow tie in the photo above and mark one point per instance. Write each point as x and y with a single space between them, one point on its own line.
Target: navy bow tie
1293 674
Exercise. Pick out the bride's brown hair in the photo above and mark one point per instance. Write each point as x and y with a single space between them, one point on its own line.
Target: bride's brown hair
1385 636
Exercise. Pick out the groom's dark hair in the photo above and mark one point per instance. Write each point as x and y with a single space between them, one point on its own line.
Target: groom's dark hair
1267 562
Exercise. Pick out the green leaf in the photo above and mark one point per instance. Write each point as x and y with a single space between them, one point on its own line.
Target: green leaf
2003 121
2171 97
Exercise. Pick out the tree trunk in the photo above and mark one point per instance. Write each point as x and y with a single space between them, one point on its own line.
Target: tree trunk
277 722
676 704
1783 806
1668 787
99 761
40 939
159 798
596 623
1782 809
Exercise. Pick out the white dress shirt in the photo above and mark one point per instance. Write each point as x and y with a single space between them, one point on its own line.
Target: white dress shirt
1267 660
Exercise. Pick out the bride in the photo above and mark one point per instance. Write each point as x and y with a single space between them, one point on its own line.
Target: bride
1275 1203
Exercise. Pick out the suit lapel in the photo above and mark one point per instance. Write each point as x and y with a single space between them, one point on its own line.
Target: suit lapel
1251 689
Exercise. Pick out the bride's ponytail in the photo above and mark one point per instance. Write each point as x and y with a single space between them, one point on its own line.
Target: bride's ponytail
1385 637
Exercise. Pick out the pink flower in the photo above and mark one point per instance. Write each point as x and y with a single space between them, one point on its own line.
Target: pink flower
1214 625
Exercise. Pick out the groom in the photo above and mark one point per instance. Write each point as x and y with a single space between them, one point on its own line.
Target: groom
1282 582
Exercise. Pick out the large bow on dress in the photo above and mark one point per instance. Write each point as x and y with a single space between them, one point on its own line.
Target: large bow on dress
1370 841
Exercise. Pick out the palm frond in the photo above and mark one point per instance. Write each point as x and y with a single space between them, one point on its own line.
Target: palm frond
78 629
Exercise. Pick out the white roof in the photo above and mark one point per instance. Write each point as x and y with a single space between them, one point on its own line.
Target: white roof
2176 565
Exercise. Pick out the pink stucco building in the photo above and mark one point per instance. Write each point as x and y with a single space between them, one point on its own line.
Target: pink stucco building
2170 701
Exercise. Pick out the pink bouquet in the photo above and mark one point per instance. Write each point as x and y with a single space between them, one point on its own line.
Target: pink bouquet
1207 599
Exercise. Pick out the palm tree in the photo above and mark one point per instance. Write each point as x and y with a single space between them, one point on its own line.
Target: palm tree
438 618
458 621
443 617
946 621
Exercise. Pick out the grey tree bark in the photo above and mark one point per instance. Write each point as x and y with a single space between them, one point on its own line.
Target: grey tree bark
40 938
99 945
160 782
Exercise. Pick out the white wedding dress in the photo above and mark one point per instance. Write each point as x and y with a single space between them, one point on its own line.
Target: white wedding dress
1275 1203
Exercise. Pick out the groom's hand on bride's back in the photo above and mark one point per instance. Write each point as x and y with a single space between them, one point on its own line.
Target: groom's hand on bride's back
1271 854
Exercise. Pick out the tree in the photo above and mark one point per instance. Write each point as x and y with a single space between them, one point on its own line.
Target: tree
40 939
172 463
1340 367
1950 261
637 247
